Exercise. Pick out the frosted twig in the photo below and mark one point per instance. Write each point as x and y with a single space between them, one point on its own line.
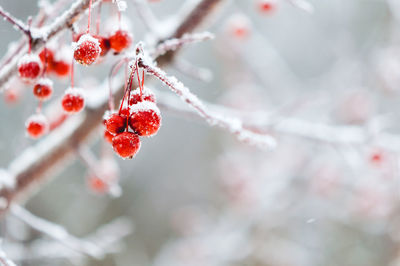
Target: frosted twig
107 237
176 43
19 25
57 232
4 260
233 125
190 70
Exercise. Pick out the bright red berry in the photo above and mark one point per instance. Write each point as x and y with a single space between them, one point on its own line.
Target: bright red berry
36 126
108 136
87 50
147 95
73 100
120 40
145 118
266 6
29 67
116 123
104 44
62 62
126 144
43 89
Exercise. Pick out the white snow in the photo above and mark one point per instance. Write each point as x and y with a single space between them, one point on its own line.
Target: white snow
29 58
85 38
145 106
45 82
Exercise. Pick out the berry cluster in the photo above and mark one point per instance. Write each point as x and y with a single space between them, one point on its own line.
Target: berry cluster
89 48
141 117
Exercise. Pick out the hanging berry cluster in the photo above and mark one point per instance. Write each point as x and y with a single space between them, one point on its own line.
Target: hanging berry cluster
87 49
138 115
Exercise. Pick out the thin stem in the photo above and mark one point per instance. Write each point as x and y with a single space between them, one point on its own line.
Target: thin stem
89 16
72 73
98 19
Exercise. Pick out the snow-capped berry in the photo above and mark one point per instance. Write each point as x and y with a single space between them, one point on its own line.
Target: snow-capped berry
126 144
116 123
147 95
104 44
120 40
86 50
62 61
108 136
36 126
145 118
266 6
43 89
29 67
73 100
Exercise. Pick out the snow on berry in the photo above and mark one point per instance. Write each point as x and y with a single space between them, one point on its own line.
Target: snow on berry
29 67
43 89
120 40
116 123
36 126
147 95
145 118
126 144
73 100
86 50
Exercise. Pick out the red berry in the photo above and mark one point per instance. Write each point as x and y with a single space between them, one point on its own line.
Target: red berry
87 50
126 144
115 123
108 136
239 26
104 44
73 100
61 68
62 62
47 58
266 6
147 95
36 126
12 95
120 40
145 119
29 67
43 89
97 185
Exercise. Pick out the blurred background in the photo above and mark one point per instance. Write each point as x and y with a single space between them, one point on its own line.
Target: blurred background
196 195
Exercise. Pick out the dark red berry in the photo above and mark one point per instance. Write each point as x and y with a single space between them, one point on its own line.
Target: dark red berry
29 67
87 50
126 144
147 95
104 44
36 126
43 89
145 118
120 40
73 100
116 123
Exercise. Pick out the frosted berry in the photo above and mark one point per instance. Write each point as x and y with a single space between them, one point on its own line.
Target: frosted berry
266 6
120 40
104 44
126 144
43 89
36 126
73 100
145 118
147 95
87 50
97 185
108 136
29 67
61 65
116 123
239 26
